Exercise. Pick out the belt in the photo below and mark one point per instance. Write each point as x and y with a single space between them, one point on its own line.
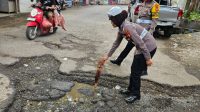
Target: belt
143 21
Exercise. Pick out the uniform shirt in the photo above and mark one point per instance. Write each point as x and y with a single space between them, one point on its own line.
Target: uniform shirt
149 12
131 32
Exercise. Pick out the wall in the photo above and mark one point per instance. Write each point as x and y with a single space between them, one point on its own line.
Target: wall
123 1
182 3
24 5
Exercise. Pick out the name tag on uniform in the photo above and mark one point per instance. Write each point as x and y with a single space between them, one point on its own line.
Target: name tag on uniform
143 21
143 34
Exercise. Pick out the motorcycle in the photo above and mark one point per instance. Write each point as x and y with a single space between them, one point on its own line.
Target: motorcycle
34 25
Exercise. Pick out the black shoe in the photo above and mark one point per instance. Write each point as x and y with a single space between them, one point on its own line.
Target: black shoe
55 29
115 62
124 92
132 99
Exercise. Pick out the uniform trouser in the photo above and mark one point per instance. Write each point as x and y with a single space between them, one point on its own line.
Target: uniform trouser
138 65
125 52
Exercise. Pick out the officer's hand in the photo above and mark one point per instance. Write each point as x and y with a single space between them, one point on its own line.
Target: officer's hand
149 62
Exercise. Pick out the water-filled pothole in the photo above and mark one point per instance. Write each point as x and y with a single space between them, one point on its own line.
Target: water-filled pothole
67 102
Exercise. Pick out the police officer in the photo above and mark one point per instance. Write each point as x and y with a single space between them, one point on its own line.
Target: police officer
145 49
147 17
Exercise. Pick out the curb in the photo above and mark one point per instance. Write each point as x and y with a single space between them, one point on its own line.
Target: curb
8 93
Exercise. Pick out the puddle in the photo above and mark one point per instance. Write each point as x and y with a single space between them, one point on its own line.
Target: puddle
75 92
66 102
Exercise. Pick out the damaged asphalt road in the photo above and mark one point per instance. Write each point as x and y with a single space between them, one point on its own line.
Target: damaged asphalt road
41 87
34 67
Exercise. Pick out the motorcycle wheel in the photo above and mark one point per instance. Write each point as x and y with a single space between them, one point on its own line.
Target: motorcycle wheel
30 33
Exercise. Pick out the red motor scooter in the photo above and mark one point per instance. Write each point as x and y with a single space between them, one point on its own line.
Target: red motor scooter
34 25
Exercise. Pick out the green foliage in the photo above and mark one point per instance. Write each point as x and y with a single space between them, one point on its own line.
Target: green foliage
194 16
185 13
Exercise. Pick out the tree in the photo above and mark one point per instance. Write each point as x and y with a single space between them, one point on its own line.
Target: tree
197 6
192 4
187 4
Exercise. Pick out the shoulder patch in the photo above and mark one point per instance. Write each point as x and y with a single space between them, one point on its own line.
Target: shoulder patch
156 7
127 34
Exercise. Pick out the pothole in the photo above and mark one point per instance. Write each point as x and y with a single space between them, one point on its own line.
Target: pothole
54 46
78 43
40 87
75 39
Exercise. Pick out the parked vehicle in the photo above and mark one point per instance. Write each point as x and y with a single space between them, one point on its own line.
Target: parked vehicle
99 2
169 16
34 25
69 3
133 9
61 4
92 2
